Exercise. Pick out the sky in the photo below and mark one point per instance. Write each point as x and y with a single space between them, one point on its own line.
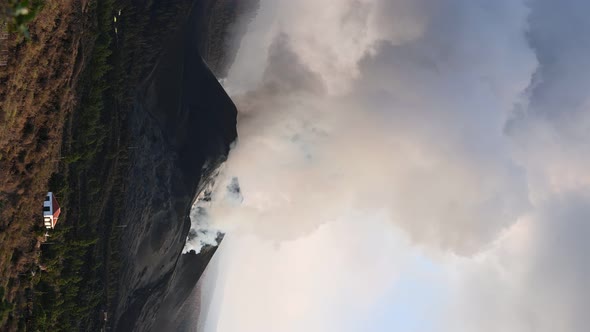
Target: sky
404 165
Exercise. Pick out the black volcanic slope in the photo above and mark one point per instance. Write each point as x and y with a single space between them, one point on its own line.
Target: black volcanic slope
182 120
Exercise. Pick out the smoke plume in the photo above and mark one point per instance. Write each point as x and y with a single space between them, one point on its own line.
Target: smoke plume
399 131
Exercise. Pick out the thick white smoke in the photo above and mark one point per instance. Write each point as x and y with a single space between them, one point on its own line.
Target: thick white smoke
459 126
369 105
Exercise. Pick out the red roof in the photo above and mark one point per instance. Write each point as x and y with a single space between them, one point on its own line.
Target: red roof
55 207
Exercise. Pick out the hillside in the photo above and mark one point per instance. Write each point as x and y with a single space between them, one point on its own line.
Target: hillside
65 99
37 94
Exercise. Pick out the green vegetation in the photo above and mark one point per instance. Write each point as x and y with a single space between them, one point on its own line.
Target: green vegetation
70 288
72 279
35 97
20 13
79 264
89 132
5 306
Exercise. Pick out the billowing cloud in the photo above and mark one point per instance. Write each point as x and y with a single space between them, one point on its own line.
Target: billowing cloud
533 279
551 132
461 126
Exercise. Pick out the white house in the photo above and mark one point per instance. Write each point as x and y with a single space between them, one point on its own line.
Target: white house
51 211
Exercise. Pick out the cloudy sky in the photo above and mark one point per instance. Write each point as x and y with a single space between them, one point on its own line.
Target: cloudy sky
406 165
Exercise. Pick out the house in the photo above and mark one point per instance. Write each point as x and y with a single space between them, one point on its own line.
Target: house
51 211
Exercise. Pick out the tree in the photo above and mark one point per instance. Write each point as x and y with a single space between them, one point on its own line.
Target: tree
20 13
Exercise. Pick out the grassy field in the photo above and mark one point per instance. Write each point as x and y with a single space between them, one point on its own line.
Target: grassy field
36 96
53 127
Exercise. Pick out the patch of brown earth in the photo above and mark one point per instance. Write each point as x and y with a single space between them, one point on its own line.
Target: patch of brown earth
36 96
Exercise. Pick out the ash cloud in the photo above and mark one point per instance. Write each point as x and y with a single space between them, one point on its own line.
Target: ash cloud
409 122
461 126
